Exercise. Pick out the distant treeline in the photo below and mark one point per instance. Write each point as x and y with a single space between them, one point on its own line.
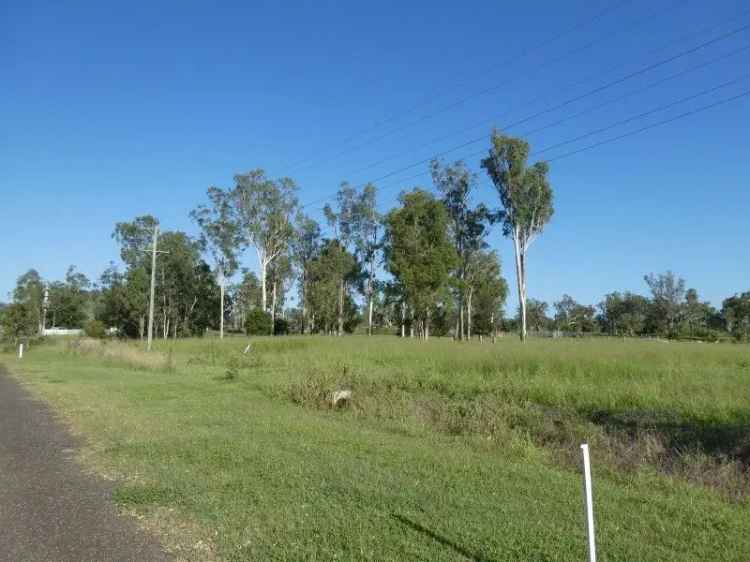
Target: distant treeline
120 301
422 268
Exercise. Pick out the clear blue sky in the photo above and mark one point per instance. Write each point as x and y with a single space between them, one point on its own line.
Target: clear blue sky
111 110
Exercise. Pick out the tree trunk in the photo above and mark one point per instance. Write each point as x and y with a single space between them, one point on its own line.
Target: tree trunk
189 315
369 316
141 326
403 319
221 318
303 298
263 293
520 282
273 309
468 315
461 278
427 326
461 322
341 309
370 292
492 327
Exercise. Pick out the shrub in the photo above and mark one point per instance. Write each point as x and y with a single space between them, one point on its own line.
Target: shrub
258 323
95 329
234 365
280 327
17 322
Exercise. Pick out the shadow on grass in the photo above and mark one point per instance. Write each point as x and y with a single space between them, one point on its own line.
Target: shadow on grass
728 441
440 539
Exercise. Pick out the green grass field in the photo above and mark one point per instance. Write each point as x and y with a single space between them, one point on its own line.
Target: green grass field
447 451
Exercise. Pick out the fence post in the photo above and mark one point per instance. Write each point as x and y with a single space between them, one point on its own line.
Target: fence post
20 351
589 502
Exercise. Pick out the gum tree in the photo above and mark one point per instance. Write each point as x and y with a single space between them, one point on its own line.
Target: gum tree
357 224
133 237
264 209
305 246
488 289
419 252
526 198
367 240
667 290
469 228
343 223
221 237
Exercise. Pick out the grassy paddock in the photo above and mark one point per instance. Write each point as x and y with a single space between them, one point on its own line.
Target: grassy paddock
447 451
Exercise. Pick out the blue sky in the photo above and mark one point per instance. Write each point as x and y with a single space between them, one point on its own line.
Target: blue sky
111 110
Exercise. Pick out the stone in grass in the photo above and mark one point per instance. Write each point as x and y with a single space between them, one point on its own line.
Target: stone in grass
341 398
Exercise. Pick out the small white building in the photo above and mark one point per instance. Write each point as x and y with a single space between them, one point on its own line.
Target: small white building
62 332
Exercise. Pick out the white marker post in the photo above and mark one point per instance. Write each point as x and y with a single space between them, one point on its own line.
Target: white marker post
20 351
589 502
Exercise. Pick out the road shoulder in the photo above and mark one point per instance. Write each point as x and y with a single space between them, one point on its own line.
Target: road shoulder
50 510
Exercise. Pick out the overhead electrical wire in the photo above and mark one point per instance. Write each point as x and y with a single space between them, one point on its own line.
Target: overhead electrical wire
567 87
563 104
627 120
603 142
690 113
510 60
642 89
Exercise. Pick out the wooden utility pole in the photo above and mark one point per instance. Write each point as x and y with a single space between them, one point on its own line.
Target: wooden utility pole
153 289
154 251
45 304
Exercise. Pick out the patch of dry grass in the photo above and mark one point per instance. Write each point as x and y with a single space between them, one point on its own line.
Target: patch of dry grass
121 354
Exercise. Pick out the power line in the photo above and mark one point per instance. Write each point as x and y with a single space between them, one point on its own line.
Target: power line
652 126
645 128
639 90
588 110
490 89
505 84
642 115
483 122
510 60
563 104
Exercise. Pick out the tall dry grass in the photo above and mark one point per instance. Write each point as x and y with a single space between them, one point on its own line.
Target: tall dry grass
122 354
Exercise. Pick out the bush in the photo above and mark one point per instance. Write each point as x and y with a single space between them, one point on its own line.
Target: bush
95 329
258 323
18 322
234 365
280 327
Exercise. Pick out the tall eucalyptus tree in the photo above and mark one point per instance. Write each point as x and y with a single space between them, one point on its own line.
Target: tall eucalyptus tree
264 209
526 197
221 237
469 228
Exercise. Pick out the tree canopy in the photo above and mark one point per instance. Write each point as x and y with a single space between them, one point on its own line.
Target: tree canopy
419 253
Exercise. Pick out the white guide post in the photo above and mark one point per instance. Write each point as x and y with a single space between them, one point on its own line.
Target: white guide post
589 502
20 351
